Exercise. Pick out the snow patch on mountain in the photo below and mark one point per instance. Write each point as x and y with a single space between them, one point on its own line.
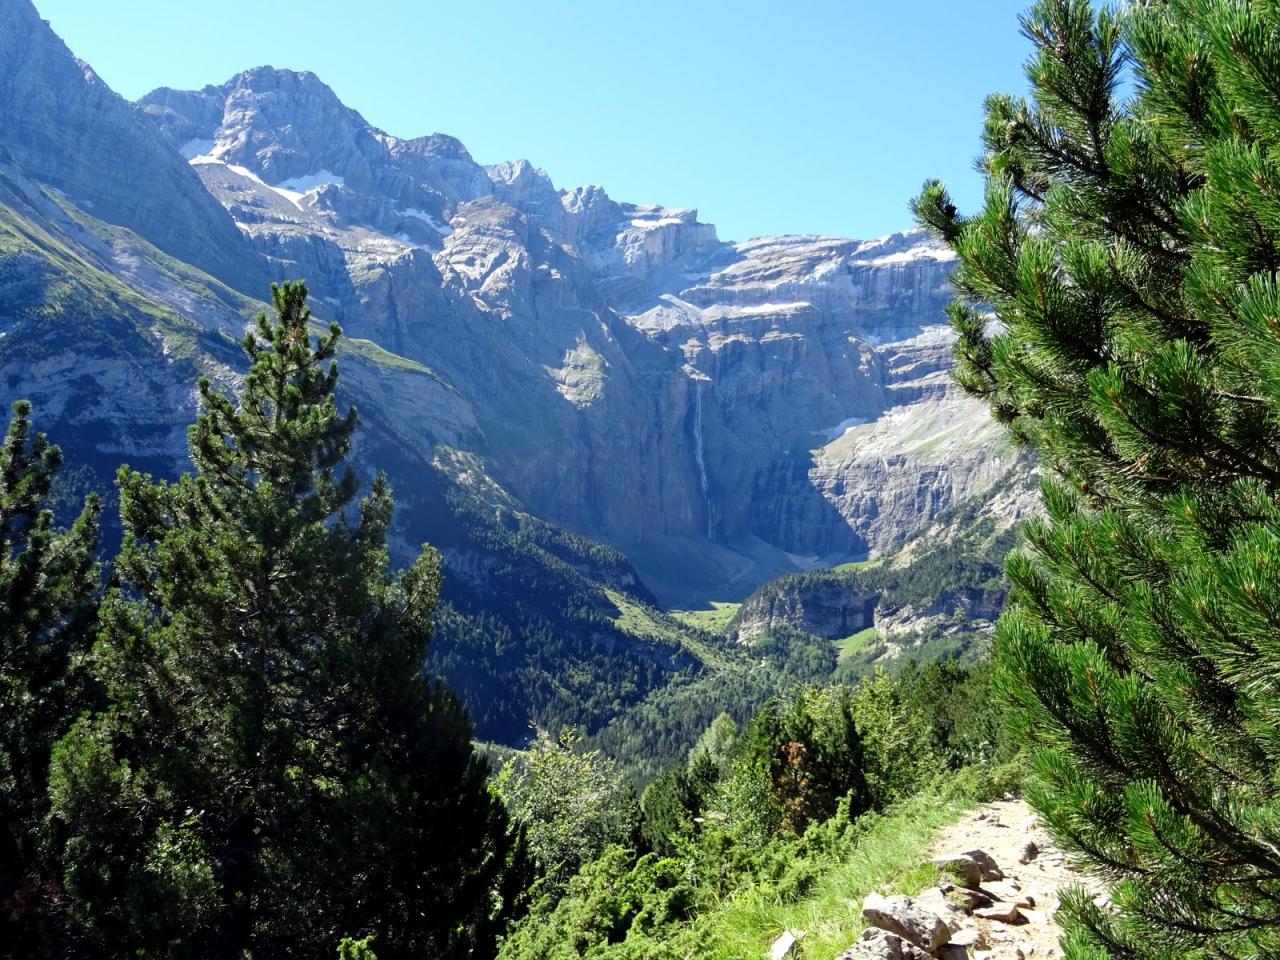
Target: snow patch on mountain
841 428
443 229
196 148
311 182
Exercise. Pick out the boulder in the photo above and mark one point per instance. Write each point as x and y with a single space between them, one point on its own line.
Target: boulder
878 944
902 916
961 866
785 945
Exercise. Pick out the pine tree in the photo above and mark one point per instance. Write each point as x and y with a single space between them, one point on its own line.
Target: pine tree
797 758
48 597
1130 247
273 774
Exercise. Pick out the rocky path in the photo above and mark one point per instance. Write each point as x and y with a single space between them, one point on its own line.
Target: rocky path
1003 830
997 901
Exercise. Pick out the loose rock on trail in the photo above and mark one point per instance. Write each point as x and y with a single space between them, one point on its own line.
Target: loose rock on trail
996 899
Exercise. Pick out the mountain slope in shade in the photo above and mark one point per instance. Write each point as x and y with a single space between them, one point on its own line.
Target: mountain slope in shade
589 406
107 334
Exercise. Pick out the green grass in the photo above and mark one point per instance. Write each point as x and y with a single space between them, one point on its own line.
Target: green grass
857 642
76 289
858 565
385 358
890 858
714 620
932 444
645 622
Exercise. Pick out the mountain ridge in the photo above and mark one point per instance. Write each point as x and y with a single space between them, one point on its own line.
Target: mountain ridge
738 354
592 408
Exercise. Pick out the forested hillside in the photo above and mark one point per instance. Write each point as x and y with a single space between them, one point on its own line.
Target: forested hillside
621 593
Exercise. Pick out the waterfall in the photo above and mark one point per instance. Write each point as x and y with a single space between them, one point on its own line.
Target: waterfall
699 454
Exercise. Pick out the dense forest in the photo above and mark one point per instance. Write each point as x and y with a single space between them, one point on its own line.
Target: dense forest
224 736
229 745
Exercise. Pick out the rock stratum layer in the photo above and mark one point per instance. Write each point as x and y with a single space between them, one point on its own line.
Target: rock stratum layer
721 412
589 406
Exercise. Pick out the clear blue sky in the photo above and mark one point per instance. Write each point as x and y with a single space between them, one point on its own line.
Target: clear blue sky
769 116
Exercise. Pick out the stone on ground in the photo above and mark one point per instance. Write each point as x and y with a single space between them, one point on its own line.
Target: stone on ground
1003 912
877 944
902 916
785 946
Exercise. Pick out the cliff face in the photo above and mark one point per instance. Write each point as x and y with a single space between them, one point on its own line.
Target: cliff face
723 412
936 594
585 404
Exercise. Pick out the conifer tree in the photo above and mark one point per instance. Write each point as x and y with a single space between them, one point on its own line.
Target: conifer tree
274 775
1130 248
48 597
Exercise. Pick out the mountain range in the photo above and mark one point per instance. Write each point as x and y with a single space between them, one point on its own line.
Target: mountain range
596 410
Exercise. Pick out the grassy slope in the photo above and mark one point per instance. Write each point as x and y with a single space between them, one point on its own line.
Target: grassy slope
888 858
716 619
848 646
641 620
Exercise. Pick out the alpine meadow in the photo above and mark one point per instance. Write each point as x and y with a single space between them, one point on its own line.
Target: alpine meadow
403 557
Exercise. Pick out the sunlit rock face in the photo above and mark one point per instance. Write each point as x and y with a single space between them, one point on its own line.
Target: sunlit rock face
724 412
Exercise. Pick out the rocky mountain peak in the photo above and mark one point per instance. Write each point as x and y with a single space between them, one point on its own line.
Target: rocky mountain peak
433 145
59 120
280 124
723 412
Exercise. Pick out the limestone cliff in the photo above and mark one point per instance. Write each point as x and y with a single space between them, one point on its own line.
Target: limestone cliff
722 412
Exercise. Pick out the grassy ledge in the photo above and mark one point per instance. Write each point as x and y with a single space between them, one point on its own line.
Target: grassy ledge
713 620
889 857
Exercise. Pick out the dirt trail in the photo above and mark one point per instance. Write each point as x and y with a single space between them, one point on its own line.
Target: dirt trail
1002 829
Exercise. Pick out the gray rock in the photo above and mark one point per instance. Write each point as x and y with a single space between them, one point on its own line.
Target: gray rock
969 937
961 866
1003 912
786 944
1010 892
876 944
902 916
